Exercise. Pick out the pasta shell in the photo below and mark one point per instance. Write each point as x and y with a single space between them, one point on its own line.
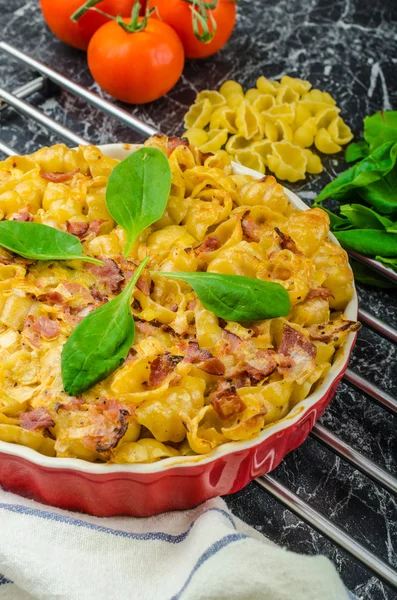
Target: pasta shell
213 96
324 142
287 161
248 120
216 139
266 86
196 136
340 133
224 118
199 115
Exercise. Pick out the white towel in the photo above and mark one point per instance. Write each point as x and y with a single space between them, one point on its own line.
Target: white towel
204 553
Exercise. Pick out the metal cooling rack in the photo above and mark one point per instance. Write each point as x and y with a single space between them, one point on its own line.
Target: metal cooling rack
281 493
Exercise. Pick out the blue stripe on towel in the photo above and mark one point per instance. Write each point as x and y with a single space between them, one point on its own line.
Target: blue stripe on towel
156 535
212 550
3 580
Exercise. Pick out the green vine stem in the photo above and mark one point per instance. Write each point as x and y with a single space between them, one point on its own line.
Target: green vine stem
203 21
133 26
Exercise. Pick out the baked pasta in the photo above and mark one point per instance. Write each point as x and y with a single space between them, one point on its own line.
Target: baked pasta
191 381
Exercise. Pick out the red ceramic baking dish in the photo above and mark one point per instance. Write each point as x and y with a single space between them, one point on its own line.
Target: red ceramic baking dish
174 483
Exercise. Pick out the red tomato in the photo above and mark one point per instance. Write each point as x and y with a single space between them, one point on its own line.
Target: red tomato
136 67
178 14
57 15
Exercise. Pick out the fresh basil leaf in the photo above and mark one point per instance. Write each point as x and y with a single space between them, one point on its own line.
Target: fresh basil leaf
137 192
368 276
380 128
382 194
100 343
389 262
362 217
356 151
392 228
337 222
237 298
369 242
41 242
370 169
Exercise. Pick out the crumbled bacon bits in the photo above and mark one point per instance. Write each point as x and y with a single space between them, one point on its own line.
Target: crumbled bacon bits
39 418
228 403
162 366
58 177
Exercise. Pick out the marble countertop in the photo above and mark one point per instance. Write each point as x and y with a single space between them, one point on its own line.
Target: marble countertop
349 48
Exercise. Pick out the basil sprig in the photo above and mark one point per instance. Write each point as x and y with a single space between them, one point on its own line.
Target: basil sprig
137 192
100 343
235 297
41 242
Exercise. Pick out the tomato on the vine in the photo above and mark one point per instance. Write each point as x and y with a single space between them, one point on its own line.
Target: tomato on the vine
57 14
186 15
136 61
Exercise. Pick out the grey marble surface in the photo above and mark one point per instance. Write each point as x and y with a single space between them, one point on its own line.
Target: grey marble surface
349 48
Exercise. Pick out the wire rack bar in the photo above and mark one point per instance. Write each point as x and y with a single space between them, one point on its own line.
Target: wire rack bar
329 529
36 85
5 149
30 111
80 91
358 460
377 325
384 398
375 264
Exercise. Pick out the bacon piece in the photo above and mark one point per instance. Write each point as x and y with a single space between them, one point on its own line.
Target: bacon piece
251 229
162 366
143 284
302 352
286 243
233 341
110 274
74 404
333 330
204 359
109 425
58 177
228 403
146 328
320 292
173 142
53 298
262 365
97 295
77 228
45 327
39 418
195 355
23 215
209 245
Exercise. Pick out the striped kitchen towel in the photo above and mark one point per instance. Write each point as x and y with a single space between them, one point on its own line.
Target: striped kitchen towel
204 553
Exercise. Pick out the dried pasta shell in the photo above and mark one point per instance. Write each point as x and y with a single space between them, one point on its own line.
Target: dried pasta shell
304 135
251 95
284 130
287 161
236 143
299 85
199 115
224 118
213 96
248 120
286 95
263 148
251 159
269 130
319 96
196 136
263 102
302 114
216 139
266 86
325 117
340 133
314 164
231 87
324 142
282 111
